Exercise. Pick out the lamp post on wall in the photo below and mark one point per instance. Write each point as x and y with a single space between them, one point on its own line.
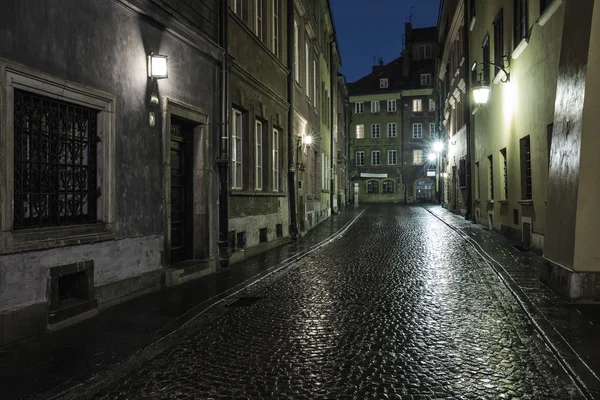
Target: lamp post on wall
436 156
481 91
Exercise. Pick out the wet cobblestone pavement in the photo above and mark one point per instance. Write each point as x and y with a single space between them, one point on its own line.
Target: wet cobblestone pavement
398 307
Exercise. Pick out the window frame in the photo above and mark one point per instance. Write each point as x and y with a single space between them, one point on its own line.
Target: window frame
393 108
499 39
307 65
361 158
276 161
417 130
276 29
383 83
360 128
259 16
427 79
417 105
373 153
385 188
296 54
395 157
375 131
417 160
237 126
258 155
14 76
392 133
359 107
431 105
372 184
520 21
375 107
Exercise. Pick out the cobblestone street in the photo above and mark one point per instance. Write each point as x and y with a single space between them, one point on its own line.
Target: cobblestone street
398 307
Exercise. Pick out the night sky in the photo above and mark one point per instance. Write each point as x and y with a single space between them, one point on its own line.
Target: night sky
366 29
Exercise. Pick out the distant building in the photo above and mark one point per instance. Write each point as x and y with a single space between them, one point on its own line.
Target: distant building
394 125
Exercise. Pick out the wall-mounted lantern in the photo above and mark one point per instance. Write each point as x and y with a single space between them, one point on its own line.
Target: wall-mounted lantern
481 92
158 66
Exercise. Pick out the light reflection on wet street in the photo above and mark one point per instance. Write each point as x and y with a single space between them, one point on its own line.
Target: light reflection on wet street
398 307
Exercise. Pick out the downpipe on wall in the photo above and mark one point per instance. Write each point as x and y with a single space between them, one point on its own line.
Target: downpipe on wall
222 131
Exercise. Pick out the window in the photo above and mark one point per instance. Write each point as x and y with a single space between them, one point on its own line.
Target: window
472 9
383 83
372 187
504 174
526 184
236 150
391 105
296 57
375 106
417 105
359 107
521 21
417 157
424 52
462 172
307 66
417 131
391 129
491 177
432 129
258 153
375 158
543 5
375 131
276 28
315 82
259 20
55 162
240 8
275 160
486 60
360 158
388 186
499 39
477 183
431 105
360 131
392 157
425 79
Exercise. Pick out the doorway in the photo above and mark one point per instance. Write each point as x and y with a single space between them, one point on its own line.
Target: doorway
424 190
356 185
181 190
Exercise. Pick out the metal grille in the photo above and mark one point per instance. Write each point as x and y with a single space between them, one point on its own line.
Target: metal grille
54 162
527 159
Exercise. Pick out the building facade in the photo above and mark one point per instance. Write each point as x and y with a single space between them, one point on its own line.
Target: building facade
453 81
394 125
108 175
531 173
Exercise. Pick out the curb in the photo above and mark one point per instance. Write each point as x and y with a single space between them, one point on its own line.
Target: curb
583 376
91 385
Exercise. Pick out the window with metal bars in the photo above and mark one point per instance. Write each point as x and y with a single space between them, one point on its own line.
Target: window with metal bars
505 173
55 162
491 177
526 183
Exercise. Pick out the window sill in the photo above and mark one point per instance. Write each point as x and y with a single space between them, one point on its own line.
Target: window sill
520 48
472 24
490 201
51 237
526 202
549 12
257 194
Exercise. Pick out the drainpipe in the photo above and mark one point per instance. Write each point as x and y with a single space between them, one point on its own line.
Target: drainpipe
294 233
331 162
467 111
222 161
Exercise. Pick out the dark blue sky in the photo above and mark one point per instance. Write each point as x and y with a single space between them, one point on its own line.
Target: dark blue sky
366 29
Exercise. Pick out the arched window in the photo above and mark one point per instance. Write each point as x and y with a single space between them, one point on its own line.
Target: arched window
388 186
373 187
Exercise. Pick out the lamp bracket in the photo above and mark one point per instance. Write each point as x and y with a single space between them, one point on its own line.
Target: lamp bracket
505 64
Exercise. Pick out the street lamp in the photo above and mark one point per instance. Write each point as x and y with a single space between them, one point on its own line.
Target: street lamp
481 92
432 157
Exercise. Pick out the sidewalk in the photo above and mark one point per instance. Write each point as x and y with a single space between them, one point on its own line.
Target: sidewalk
571 331
56 361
